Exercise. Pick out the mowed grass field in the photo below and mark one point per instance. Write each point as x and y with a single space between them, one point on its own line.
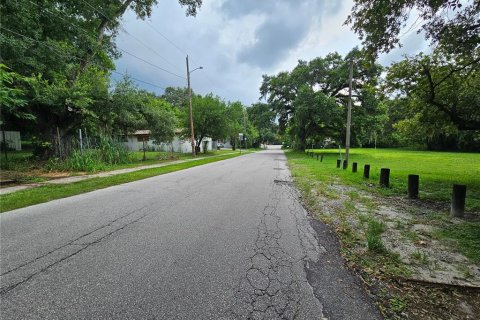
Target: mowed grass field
438 171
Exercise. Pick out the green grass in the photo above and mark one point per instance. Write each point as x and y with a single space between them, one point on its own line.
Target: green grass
16 160
22 161
373 234
467 237
46 193
438 171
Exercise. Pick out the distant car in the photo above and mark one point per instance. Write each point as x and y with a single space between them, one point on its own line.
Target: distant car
220 145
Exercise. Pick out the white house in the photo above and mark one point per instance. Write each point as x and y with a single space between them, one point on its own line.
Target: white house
134 142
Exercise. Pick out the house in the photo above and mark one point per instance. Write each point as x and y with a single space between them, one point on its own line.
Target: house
135 142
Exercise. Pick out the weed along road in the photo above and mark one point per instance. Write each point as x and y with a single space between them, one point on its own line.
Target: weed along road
227 240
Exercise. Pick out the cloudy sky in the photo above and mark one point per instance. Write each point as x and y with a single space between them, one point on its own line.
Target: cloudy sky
237 41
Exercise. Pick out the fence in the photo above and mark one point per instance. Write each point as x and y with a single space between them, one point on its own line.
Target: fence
11 139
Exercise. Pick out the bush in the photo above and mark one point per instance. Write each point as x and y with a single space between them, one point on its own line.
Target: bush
107 152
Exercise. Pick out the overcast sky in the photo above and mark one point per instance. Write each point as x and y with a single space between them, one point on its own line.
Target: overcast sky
237 41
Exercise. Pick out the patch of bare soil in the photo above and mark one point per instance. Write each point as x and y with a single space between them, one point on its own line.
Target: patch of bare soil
436 282
10 178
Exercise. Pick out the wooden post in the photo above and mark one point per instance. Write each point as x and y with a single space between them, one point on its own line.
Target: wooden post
413 180
317 156
338 163
385 177
345 164
59 144
366 171
321 158
458 200
144 151
81 140
354 167
5 149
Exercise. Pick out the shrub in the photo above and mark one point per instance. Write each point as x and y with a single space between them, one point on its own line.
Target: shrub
106 152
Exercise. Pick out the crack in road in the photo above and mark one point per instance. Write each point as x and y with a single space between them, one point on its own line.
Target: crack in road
272 286
16 280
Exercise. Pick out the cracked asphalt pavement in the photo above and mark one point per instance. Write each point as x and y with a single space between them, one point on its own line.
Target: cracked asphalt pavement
227 240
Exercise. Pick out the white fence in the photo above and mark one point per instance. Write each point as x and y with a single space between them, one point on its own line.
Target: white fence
177 145
12 139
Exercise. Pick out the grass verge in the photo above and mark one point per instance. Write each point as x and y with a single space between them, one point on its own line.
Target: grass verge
467 238
392 242
46 193
438 171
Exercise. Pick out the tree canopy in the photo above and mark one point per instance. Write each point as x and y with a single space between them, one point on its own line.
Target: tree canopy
451 24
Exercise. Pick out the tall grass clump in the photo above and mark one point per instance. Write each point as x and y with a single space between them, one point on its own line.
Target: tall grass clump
373 235
104 153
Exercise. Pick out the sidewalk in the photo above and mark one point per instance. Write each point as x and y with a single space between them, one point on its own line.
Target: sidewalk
73 179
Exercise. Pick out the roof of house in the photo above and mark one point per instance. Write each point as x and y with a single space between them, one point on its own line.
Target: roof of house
141 132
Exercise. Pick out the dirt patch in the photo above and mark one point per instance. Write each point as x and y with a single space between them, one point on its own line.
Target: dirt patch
417 275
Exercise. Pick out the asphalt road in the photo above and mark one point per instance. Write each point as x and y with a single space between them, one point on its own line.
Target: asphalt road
227 240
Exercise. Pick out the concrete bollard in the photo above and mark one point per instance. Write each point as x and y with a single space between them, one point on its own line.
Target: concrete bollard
385 177
354 167
345 164
338 163
413 180
366 171
458 200
321 158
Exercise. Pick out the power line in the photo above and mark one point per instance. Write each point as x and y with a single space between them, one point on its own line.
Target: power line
153 65
165 37
131 54
157 31
149 48
136 79
56 50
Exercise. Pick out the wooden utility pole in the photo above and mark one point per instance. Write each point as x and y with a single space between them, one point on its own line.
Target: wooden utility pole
349 113
191 112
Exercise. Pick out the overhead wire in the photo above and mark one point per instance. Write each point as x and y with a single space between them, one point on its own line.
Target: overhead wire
58 14
158 32
59 52
166 38
141 42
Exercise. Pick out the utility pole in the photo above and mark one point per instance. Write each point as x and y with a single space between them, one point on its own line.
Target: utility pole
191 112
245 128
349 112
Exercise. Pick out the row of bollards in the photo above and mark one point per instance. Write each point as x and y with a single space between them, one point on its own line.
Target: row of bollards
457 208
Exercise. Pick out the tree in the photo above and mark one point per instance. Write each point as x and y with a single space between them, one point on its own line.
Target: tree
68 48
263 120
133 109
177 97
451 24
444 87
317 116
235 122
326 75
209 118
12 96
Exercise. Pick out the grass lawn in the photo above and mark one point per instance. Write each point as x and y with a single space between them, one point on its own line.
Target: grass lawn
46 193
438 171
392 240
